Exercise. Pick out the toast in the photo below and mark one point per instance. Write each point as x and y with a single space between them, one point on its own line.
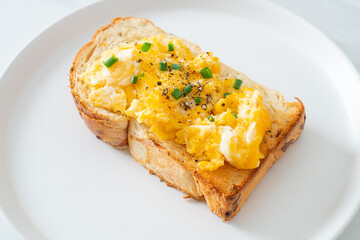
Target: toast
226 189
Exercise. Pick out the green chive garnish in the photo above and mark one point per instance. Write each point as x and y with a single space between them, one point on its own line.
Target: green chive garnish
234 114
142 75
187 89
226 94
170 47
206 73
210 118
237 84
162 66
108 63
176 93
146 47
134 79
176 67
198 100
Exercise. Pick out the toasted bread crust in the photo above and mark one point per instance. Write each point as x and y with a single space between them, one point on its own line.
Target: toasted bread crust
226 205
226 189
165 160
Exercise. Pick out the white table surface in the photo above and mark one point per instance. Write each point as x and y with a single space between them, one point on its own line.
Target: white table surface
22 20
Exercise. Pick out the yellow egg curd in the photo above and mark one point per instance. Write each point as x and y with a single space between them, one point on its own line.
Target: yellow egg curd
181 96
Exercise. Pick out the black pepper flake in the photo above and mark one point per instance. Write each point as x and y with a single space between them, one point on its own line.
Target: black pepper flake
158 83
179 122
167 97
139 61
204 106
196 160
172 55
223 104
147 87
185 105
151 64
165 91
208 98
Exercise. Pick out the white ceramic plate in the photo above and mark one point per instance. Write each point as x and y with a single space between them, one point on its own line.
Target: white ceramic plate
57 181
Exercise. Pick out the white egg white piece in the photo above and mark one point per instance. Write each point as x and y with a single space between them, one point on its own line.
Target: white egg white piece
125 68
251 132
227 135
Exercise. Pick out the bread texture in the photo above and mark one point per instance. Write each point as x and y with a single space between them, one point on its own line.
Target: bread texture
226 189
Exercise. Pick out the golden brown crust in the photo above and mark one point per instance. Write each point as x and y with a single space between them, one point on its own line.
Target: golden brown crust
107 131
168 163
227 204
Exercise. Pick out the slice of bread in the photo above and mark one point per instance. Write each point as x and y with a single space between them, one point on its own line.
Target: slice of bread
226 189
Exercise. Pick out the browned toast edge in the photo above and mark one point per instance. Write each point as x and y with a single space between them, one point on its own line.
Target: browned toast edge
226 206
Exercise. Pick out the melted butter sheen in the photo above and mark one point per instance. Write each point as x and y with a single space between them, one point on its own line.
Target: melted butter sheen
235 140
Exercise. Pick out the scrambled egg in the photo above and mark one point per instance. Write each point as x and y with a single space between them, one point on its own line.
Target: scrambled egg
180 97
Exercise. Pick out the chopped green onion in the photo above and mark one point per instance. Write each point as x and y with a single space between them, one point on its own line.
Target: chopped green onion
142 75
187 89
176 67
162 66
234 114
146 47
206 73
134 79
210 118
226 94
170 47
198 100
176 93
237 84
108 63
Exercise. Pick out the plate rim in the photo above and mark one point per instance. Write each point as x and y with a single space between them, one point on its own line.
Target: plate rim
341 227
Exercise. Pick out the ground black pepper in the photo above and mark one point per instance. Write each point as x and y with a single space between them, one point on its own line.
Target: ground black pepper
165 91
